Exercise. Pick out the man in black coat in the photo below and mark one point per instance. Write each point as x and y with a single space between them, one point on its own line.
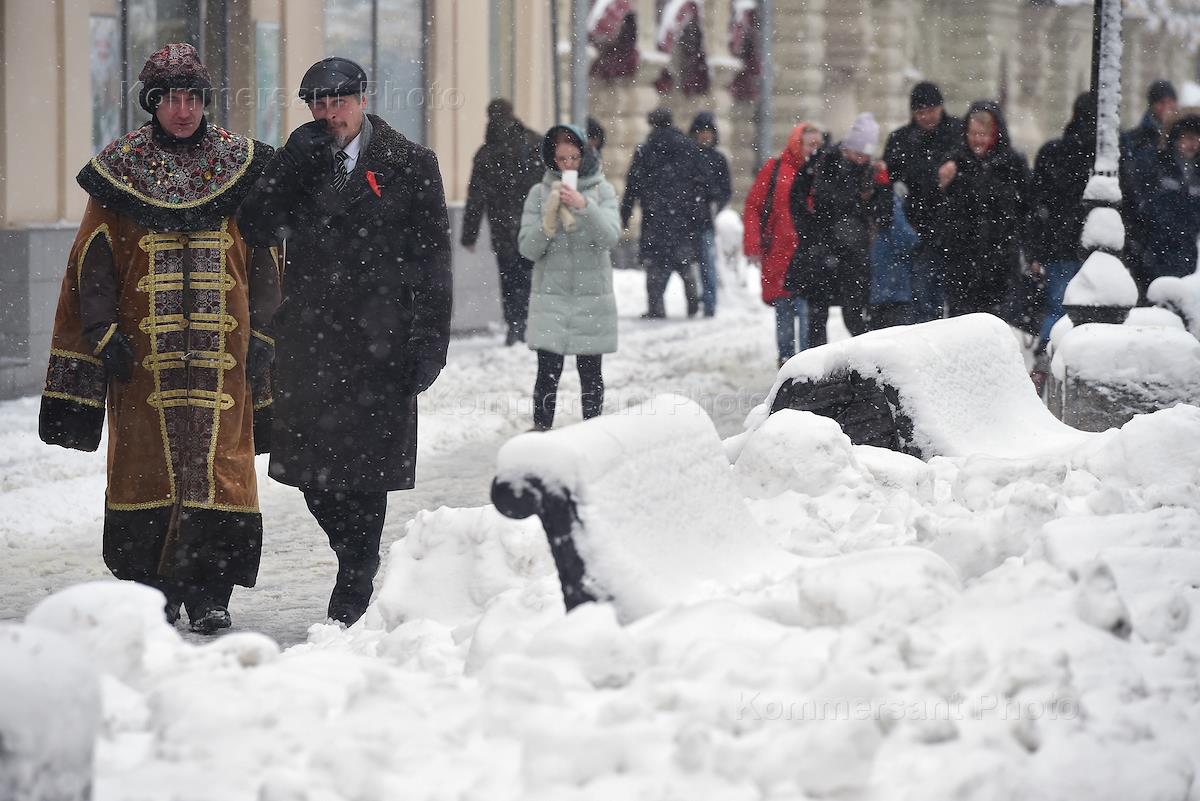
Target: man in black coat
1060 175
503 172
720 190
1170 206
1138 146
981 215
365 319
913 154
669 176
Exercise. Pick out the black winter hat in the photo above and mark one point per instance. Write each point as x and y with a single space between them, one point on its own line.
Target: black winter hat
595 131
333 77
499 109
704 121
660 118
925 95
175 66
1160 90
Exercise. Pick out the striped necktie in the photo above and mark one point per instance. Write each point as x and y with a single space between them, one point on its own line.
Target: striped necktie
340 176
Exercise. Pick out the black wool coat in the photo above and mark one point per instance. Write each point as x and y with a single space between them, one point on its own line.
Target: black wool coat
366 294
913 157
669 177
1060 175
504 170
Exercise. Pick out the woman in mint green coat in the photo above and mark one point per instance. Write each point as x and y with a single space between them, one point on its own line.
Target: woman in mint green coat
567 233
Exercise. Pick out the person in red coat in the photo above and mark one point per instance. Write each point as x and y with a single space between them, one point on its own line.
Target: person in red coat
770 237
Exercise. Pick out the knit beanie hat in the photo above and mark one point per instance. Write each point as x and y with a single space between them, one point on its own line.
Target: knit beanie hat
660 118
1160 90
175 66
863 135
925 95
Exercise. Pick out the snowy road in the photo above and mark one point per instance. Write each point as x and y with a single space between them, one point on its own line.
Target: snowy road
51 499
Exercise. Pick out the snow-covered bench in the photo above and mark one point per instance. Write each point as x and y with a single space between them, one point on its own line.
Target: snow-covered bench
640 508
946 388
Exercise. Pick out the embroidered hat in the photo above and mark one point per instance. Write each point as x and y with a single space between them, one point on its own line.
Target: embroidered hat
175 66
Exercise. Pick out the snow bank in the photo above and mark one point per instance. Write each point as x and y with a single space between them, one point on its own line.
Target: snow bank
962 381
1180 295
1133 356
49 716
659 518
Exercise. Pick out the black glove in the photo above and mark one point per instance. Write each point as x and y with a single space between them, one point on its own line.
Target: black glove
118 358
421 375
306 150
260 355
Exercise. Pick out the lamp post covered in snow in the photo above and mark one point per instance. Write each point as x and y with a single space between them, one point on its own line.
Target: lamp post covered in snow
1103 290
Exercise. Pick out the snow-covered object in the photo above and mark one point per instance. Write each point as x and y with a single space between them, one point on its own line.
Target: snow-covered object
962 381
1139 316
660 520
1103 189
1108 95
119 624
1101 281
1189 93
1103 229
673 18
605 19
49 716
1180 295
1166 358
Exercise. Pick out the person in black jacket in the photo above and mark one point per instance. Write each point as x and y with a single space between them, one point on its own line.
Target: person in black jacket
1170 206
704 131
1060 175
1138 146
850 198
981 213
913 154
504 170
365 319
669 177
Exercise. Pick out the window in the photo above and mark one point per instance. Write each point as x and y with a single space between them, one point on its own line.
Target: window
106 79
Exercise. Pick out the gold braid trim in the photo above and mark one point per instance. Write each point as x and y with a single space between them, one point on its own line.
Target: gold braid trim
216 507
187 204
259 335
203 398
100 229
74 399
70 354
112 329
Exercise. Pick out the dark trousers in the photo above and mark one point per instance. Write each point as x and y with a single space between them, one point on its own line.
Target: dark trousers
657 277
516 274
545 388
353 521
818 317
133 550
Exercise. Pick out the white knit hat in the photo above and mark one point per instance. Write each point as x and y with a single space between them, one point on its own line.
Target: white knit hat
863 135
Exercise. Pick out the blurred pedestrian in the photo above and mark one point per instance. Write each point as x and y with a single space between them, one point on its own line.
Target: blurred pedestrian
913 154
1170 204
595 136
568 232
892 255
1137 174
1057 211
504 170
704 132
982 213
770 237
851 195
669 177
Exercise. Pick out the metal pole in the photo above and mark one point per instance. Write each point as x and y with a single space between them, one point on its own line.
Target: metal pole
1097 16
554 71
579 63
1108 89
766 96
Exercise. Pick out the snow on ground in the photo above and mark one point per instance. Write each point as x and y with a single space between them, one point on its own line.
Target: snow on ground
976 627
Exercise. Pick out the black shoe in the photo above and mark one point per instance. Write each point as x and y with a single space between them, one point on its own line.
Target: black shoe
345 612
211 621
171 611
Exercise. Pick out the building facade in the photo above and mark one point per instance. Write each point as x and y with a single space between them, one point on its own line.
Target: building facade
68 86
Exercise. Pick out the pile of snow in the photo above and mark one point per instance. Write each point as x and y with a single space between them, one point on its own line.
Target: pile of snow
1130 355
962 381
49 716
1180 295
1101 281
659 518
1103 229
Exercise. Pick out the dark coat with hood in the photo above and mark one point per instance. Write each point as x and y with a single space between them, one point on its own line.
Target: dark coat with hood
1138 146
366 295
1170 206
1060 176
720 187
669 177
503 172
981 217
913 156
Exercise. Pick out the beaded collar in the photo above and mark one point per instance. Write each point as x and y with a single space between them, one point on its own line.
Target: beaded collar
175 187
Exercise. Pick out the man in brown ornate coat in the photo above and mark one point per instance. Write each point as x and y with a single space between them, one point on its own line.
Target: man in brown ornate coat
161 318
